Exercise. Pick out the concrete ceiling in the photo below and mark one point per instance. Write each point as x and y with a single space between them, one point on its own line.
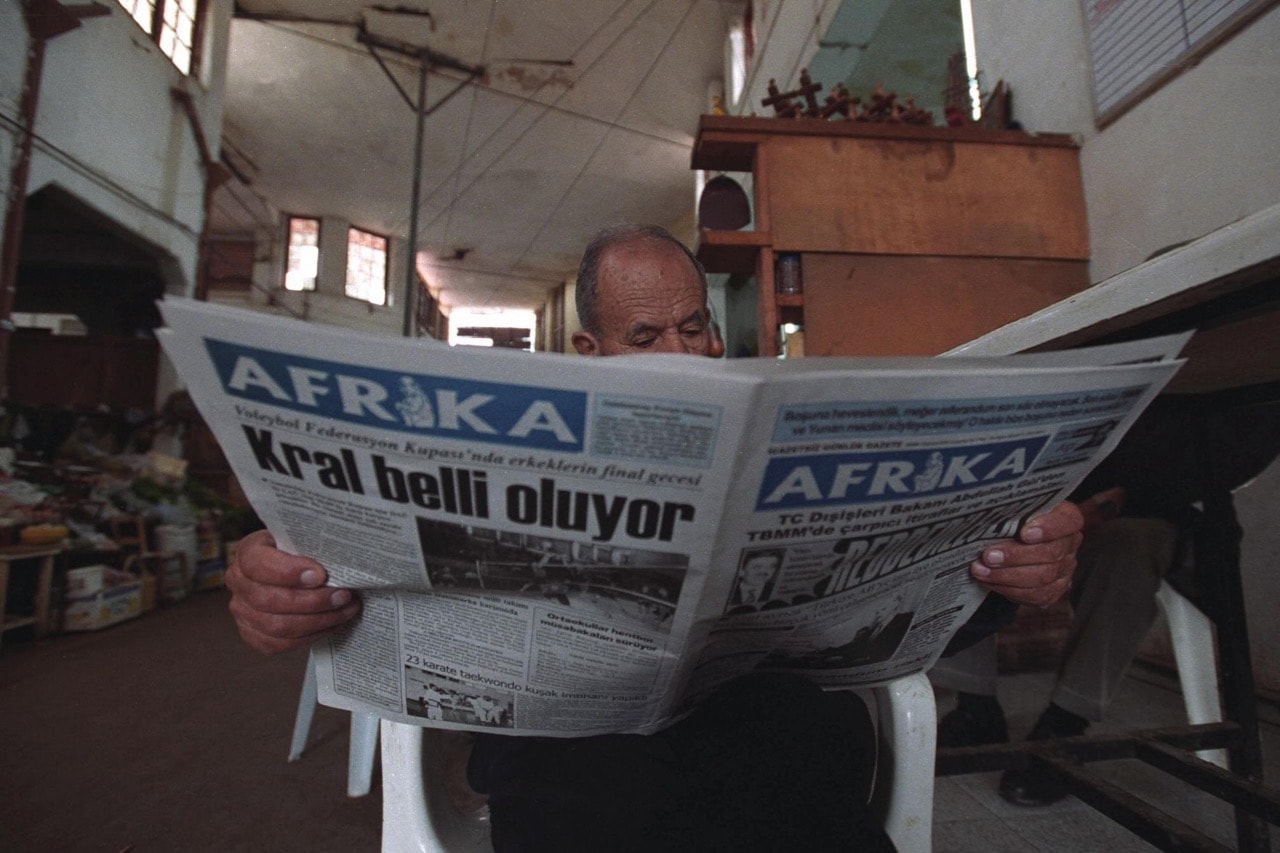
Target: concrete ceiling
585 115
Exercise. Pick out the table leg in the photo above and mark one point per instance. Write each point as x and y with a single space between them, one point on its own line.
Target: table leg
44 591
4 594
1220 565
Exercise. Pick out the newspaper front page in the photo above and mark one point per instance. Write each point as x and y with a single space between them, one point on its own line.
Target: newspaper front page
567 546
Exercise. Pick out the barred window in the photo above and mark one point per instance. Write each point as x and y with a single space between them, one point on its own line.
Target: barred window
303 259
172 24
366 266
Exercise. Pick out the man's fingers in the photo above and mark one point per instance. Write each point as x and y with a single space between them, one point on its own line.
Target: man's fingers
1017 555
1040 595
1026 577
258 560
278 632
1043 553
268 598
1040 585
1063 520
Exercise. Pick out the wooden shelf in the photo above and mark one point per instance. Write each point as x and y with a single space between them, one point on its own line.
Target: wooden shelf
43 555
967 228
731 251
728 143
11 622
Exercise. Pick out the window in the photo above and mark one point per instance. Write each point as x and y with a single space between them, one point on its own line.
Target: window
171 25
740 50
971 60
1138 45
511 328
304 254
737 61
366 266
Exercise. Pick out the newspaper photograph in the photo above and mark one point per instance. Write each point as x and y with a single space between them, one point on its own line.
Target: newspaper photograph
567 546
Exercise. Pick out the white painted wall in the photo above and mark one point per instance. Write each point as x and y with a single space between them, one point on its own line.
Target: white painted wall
110 132
13 59
786 39
1194 157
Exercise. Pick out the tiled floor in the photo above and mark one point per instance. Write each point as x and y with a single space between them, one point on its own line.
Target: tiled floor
970 816
166 733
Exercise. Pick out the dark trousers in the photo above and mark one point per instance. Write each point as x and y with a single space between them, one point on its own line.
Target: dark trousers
766 763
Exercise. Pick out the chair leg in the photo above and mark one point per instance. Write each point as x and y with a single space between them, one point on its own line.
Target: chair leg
416 812
360 753
405 823
1191 634
907 718
306 710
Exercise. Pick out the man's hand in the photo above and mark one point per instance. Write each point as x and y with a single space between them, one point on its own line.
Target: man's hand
279 601
1037 567
1102 506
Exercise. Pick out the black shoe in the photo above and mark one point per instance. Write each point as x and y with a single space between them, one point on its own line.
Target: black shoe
1030 787
1033 786
975 721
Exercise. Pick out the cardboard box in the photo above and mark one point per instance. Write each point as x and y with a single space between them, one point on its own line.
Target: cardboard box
105 596
209 574
84 581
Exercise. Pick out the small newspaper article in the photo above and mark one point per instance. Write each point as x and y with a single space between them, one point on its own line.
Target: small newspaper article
567 546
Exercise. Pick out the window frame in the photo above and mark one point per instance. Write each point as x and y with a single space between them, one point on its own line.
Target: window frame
289 219
386 267
1146 80
156 28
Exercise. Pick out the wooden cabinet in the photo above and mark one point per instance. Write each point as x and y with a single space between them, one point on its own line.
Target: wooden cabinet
912 239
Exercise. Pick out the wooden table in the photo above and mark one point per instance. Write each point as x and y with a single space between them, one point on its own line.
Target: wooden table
43 557
1222 285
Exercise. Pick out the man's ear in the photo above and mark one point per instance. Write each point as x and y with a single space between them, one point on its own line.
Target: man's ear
585 343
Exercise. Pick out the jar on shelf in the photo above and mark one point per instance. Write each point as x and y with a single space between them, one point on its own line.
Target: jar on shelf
786 274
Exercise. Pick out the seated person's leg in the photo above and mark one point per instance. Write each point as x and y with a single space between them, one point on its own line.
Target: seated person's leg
766 763
977 718
577 794
1120 566
773 762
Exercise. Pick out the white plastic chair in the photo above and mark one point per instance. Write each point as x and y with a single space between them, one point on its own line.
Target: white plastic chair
364 737
416 815
906 725
1191 635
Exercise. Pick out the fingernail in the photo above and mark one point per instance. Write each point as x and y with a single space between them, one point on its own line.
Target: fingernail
340 597
994 557
980 570
311 577
1032 534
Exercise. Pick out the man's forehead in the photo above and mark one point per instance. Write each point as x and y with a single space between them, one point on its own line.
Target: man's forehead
643 258
647 273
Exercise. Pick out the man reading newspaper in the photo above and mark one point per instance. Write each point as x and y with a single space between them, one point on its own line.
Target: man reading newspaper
768 762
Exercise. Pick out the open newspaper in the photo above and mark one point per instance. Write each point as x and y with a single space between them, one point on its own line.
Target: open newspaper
558 545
